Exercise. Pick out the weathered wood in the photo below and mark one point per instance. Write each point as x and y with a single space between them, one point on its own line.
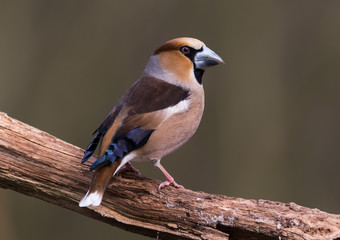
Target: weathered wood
37 164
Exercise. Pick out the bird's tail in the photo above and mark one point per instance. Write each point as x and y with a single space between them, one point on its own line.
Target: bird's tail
98 185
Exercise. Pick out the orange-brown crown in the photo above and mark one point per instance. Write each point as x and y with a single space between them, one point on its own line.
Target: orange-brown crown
177 43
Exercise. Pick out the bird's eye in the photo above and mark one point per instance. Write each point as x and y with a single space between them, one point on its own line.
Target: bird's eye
185 50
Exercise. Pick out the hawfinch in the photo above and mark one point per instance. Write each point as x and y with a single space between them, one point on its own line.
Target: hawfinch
156 115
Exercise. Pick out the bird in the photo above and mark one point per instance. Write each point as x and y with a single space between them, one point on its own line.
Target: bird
158 114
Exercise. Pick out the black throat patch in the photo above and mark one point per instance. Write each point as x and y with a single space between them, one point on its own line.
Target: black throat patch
191 55
198 75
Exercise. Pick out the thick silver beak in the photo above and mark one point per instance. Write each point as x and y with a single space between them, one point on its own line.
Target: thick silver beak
207 58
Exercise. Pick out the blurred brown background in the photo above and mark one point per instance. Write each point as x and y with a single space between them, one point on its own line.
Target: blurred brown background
271 128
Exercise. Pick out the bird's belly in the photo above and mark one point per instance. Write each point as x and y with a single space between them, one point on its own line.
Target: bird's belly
171 135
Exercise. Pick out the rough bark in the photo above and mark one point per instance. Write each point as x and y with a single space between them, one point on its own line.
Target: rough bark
37 164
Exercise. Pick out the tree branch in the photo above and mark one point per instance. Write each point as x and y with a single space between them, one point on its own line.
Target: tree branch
37 164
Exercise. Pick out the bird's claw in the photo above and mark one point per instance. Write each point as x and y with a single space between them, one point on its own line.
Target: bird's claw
129 167
168 182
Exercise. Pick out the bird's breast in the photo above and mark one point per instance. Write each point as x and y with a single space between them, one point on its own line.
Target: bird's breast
182 122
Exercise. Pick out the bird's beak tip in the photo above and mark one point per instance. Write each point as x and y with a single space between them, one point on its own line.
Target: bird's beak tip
207 58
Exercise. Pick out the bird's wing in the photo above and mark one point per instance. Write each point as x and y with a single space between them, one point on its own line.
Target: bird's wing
139 112
100 132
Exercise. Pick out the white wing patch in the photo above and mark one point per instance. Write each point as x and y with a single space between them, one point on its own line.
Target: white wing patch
182 106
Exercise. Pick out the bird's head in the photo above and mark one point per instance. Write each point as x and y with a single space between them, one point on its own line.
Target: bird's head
182 61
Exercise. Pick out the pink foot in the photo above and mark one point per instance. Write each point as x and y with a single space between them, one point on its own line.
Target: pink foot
169 179
129 167
168 182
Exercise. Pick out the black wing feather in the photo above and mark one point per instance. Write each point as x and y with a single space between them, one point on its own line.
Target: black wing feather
100 132
132 140
148 94
92 147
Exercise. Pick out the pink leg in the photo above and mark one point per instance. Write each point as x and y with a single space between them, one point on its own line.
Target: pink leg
169 179
129 167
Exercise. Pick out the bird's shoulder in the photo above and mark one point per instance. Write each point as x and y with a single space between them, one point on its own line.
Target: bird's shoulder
147 95
150 94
